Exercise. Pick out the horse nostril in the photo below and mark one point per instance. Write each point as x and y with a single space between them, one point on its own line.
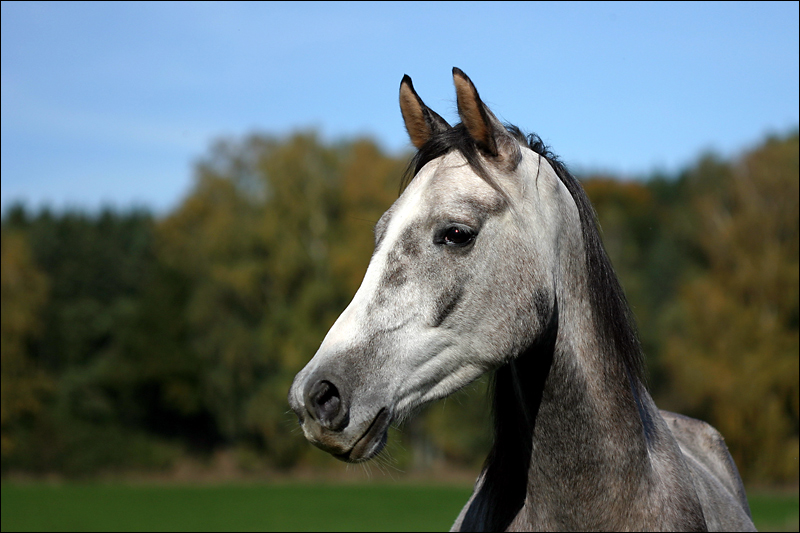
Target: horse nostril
327 400
325 404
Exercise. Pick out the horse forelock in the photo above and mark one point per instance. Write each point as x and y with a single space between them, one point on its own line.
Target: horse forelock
456 138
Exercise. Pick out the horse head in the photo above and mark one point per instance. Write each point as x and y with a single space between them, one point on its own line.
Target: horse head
462 279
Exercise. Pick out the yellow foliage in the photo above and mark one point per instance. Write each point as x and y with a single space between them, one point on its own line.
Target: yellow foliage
733 351
24 292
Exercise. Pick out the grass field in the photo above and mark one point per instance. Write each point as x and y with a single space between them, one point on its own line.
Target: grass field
278 507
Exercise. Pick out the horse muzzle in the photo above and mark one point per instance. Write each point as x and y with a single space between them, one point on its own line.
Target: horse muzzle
322 403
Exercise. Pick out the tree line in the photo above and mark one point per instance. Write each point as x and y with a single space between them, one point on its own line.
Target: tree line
130 341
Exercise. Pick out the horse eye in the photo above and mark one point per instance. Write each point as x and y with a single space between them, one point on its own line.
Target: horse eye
458 236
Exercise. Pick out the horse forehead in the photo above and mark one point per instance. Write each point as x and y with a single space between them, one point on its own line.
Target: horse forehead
451 182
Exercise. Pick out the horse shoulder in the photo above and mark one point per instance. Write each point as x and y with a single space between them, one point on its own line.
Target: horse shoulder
714 473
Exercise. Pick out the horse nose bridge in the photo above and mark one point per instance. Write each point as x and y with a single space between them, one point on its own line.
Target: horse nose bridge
344 330
326 398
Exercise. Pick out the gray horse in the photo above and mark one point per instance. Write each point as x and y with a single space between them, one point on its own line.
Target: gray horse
491 260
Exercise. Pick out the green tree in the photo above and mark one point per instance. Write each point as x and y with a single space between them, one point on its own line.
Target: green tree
267 242
97 266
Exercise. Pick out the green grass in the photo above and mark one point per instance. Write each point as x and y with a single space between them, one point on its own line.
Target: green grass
774 511
278 507
287 507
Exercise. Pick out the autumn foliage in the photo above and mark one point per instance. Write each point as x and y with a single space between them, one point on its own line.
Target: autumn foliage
130 341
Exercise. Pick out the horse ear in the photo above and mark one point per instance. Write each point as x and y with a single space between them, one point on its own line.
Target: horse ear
484 128
421 121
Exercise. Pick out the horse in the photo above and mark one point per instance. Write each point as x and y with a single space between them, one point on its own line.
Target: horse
491 260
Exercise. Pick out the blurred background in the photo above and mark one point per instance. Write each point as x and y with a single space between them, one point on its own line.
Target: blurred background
189 191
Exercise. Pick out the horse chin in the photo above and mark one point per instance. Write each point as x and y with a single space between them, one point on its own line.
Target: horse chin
371 442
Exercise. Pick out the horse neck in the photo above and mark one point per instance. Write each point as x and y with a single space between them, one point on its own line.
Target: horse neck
589 434
600 456
567 429
579 443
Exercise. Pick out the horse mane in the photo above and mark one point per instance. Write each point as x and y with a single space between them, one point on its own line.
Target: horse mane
614 318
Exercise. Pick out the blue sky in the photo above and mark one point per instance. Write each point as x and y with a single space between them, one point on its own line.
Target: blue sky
112 103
